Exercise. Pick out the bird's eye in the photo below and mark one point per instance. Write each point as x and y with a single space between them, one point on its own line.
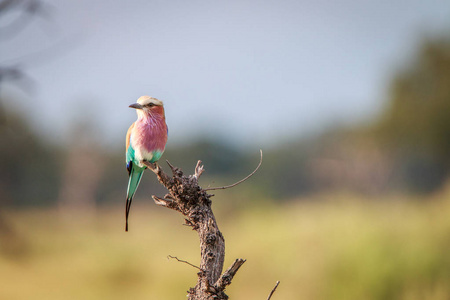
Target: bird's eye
150 104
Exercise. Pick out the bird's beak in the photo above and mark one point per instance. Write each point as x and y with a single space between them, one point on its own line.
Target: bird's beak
136 106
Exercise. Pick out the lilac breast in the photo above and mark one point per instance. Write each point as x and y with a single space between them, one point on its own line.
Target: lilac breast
150 134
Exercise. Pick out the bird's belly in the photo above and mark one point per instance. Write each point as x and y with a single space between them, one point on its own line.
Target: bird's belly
142 154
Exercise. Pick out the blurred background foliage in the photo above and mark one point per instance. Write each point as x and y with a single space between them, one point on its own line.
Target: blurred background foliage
355 212
404 149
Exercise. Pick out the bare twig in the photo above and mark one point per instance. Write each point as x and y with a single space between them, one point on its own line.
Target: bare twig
183 261
228 275
240 181
273 290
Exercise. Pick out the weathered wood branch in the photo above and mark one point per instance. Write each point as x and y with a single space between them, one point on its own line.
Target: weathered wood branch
228 275
187 197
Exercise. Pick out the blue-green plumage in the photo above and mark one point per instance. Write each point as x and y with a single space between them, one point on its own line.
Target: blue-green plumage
135 173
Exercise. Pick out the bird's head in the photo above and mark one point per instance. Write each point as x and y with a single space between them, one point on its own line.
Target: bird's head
148 106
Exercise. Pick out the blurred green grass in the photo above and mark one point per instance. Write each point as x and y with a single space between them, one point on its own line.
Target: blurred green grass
335 246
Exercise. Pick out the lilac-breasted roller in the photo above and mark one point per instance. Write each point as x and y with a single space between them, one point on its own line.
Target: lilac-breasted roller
145 141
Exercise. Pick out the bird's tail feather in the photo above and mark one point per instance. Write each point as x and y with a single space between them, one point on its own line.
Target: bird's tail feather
133 183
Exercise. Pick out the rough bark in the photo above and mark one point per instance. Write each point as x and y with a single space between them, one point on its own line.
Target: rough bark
187 197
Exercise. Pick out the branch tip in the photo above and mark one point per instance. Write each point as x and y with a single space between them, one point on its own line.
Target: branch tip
240 181
170 165
198 169
273 290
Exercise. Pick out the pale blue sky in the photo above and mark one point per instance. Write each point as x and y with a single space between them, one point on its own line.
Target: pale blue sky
253 71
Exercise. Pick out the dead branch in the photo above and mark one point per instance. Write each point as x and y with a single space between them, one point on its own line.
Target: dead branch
273 290
187 197
184 261
240 181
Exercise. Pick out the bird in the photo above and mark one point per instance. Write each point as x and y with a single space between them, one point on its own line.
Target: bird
145 141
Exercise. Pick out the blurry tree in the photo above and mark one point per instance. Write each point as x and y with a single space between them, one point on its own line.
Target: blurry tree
220 156
29 167
416 125
285 172
84 164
